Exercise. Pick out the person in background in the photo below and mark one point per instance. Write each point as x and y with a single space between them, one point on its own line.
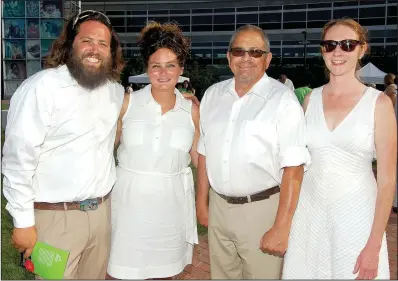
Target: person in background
391 87
187 88
58 160
286 81
153 209
302 92
252 154
338 230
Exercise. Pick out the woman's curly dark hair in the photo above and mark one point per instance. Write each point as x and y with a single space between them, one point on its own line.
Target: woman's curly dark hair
155 36
63 45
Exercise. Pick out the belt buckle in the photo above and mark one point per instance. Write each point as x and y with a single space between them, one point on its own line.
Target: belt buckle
89 205
237 200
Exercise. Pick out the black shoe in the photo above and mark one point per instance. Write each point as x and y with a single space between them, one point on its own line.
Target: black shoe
394 209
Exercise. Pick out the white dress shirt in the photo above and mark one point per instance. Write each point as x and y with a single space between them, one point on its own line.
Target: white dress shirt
59 142
248 141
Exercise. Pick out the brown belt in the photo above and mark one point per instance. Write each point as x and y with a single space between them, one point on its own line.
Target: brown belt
86 205
262 195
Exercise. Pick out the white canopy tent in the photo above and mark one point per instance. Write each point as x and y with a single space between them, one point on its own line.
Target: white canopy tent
144 79
371 74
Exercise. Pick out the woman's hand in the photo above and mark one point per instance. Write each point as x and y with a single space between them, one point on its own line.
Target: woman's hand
191 97
367 263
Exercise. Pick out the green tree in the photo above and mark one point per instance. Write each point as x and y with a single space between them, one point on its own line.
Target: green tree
134 66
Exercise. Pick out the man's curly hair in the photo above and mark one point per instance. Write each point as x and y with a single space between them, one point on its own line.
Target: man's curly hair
155 36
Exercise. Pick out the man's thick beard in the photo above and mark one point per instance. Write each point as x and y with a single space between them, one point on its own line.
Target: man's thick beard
85 77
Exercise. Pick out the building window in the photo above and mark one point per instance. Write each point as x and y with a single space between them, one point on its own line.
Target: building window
294 7
374 21
319 15
201 53
117 21
137 21
202 11
220 44
293 52
159 19
120 29
134 29
247 9
294 25
341 13
247 18
316 24
270 17
181 20
270 8
202 20
224 27
270 26
224 19
202 27
136 13
224 10
294 16
319 5
158 12
345 3
374 12
115 13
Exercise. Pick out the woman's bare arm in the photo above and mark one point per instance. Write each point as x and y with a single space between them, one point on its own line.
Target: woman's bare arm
125 105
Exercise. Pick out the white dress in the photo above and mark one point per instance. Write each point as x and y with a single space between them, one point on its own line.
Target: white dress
337 202
153 204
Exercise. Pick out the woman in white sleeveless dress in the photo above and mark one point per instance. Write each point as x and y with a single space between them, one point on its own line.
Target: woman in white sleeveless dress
338 230
153 209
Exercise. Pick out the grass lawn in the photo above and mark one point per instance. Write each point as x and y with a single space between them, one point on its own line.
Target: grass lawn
10 268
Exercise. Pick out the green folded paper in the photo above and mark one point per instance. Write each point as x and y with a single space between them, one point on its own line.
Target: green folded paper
49 262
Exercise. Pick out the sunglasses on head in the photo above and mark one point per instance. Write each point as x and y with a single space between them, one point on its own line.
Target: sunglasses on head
90 14
240 52
347 45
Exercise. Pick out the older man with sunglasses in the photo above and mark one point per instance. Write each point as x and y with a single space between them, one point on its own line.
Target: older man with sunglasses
58 160
252 152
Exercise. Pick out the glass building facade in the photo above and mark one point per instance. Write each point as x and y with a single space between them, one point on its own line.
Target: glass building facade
29 28
292 26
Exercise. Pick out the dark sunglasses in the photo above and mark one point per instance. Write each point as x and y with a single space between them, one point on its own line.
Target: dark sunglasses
240 52
88 14
347 45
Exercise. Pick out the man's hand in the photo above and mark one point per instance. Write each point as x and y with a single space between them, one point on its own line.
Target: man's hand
193 98
274 241
202 212
24 239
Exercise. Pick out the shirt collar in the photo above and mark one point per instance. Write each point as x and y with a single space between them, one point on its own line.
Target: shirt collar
147 97
259 89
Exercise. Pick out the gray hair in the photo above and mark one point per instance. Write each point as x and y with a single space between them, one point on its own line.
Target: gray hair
249 27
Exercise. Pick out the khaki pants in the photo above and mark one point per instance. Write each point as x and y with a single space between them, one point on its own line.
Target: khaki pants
235 231
86 235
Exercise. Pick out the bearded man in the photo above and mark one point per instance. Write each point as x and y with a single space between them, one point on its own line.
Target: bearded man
58 160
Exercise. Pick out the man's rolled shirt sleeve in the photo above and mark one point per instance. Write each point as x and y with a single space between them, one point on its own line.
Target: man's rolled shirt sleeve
292 133
28 121
201 149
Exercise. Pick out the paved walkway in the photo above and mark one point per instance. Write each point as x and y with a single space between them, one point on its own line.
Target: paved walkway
200 268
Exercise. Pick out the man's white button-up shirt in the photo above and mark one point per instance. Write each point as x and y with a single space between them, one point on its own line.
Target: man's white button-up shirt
59 142
248 141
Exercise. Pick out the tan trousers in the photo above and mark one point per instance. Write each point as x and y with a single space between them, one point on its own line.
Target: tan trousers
235 231
86 235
